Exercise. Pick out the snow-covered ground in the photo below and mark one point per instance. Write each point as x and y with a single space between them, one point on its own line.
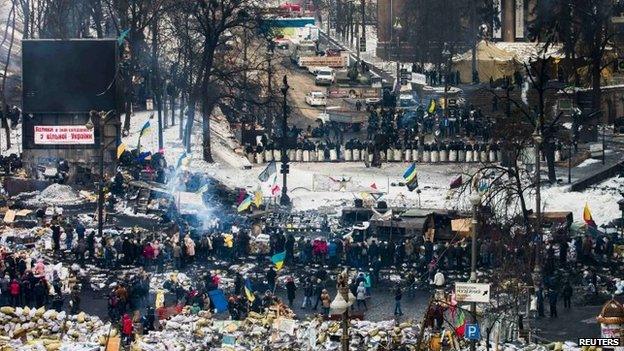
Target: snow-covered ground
310 185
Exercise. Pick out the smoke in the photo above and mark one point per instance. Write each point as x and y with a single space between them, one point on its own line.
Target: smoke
195 197
525 92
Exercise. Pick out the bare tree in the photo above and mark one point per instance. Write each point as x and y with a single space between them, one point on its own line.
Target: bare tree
10 24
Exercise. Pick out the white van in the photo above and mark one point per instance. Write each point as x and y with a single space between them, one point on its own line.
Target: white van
325 76
316 98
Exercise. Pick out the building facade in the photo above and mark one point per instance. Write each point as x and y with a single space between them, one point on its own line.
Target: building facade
514 16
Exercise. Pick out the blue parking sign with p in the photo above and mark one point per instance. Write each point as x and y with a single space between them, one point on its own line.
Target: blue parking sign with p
473 332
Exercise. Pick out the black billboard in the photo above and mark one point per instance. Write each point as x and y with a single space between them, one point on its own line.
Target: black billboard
69 76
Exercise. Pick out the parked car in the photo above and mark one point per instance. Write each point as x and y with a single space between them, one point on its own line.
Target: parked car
325 76
316 98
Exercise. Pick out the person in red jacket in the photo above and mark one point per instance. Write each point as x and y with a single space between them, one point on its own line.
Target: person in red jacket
148 255
126 328
14 289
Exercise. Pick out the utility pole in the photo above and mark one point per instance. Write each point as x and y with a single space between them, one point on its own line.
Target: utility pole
285 200
362 39
475 199
342 285
156 86
537 270
473 21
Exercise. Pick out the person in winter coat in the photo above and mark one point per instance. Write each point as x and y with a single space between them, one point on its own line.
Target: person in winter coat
41 293
126 328
56 237
361 296
308 292
398 295
74 300
290 291
567 295
14 289
326 301
271 275
190 248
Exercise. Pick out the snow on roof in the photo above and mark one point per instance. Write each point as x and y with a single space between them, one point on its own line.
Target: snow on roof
524 51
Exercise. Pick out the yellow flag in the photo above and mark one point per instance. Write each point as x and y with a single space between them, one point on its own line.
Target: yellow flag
120 150
258 198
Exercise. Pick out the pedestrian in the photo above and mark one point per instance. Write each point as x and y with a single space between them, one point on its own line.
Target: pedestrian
552 300
361 296
540 302
326 302
74 300
5 284
14 289
567 295
271 275
308 292
190 248
398 295
56 237
126 328
41 293
290 291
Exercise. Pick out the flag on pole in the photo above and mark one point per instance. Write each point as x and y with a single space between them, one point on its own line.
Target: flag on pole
278 260
249 290
411 177
257 200
203 189
457 182
184 160
120 149
146 129
270 169
122 36
275 189
410 172
413 183
460 322
245 204
432 106
587 217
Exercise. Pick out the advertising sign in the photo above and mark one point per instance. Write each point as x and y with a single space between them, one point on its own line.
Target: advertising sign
329 61
63 135
472 292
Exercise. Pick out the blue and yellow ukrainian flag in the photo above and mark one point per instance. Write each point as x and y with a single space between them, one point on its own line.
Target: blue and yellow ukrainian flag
278 260
249 290
410 173
146 129
245 204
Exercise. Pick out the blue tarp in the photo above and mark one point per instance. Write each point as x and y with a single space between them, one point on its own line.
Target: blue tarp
218 300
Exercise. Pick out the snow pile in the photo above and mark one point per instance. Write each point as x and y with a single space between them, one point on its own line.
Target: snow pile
601 198
58 195
588 162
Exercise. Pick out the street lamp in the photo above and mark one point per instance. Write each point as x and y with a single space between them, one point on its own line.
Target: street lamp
341 305
446 54
397 28
475 201
101 119
285 200
621 205
537 269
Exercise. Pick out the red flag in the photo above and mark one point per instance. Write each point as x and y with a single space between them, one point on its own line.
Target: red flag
457 182
374 186
275 189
